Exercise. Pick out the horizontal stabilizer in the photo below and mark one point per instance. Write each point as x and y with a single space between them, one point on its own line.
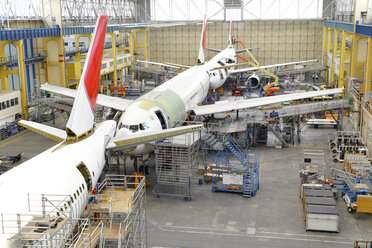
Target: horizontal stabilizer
177 66
141 138
47 131
103 100
243 50
262 101
213 50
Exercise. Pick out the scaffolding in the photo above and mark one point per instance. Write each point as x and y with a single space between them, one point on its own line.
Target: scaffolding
115 217
175 159
47 222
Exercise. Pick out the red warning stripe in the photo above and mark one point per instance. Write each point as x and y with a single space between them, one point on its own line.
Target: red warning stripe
204 29
93 68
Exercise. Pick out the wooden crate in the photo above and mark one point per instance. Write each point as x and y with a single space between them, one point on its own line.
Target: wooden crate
364 204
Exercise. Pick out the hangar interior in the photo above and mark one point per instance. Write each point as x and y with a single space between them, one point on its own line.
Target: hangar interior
231 168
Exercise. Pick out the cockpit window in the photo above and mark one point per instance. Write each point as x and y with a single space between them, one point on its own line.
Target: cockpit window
133 128
141 127
120 124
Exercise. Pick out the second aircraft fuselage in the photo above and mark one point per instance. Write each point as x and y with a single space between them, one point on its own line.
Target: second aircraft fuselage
169 104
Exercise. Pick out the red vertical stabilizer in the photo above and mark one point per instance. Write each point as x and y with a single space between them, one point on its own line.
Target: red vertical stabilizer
82 115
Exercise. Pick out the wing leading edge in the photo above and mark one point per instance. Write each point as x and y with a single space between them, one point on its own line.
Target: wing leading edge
256 102
141 138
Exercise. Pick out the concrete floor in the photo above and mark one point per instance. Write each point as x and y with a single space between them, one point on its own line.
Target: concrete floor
272 218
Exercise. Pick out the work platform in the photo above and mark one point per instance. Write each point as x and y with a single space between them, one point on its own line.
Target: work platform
114 217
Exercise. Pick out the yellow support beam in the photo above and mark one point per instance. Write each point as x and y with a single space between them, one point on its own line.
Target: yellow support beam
324 45
145 43
3 74
113 54
341 81
329 47
368 70
354 55
334 54
22 69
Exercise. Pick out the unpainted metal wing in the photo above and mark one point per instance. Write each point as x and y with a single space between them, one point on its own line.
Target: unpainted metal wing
256 102
141 138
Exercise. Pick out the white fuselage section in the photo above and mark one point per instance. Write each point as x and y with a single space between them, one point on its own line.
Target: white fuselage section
55 172
168 104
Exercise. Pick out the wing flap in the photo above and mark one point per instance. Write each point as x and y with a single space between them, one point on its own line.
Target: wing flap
103 100
47 131
141 138
256 102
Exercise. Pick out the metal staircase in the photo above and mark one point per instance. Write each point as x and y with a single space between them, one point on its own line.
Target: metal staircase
236 150
245 175
211 142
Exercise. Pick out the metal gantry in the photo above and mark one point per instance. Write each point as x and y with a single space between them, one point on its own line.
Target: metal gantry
236 10
119 11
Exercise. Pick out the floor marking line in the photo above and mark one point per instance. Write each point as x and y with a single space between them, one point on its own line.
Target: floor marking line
9 138
168 229
18 137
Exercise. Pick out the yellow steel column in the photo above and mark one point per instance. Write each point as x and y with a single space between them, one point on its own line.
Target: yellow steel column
354 55
368 70
62 62
22 69
334 54
3 74
329 47
113 53
145 43
131 42
341 81
324 43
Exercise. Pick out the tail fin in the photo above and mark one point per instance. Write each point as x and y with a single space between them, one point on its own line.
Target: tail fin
82 115
202 42
230 35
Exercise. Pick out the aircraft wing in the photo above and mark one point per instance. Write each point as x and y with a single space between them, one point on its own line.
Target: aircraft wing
270 66
256 102
140 138
53 133
103 100
177 66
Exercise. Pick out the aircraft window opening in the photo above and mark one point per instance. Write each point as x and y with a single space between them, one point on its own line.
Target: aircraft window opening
145 125
75 196
72 199
69 203
86 175
80 189
83 186
93 173
78 193
141 126
120 125
133 128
